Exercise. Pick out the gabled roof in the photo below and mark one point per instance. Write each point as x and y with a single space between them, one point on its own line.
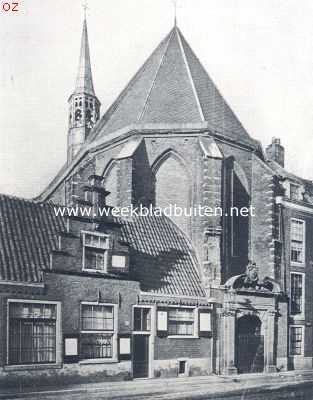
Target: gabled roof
84 82
172 87
162 258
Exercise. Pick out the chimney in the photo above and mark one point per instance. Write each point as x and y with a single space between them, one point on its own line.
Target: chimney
276 152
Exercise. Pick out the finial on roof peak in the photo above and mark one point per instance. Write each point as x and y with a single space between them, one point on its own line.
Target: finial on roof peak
175 13
85 7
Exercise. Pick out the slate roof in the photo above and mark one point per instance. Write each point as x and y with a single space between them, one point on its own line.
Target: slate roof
162 258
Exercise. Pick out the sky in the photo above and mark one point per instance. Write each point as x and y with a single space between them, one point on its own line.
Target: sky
259 54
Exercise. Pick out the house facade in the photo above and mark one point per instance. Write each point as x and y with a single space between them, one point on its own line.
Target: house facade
95 297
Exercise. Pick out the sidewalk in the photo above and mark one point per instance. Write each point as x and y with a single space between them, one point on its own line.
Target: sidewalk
170 389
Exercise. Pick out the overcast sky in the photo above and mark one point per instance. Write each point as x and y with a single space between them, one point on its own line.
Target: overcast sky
259 53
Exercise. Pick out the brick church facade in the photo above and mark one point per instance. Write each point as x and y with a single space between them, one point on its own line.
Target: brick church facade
95 298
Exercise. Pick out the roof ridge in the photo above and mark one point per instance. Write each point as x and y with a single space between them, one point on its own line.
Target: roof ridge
106 116
178 33
33 201
156 75
13 197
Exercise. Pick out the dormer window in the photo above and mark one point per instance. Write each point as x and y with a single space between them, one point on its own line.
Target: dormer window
95 252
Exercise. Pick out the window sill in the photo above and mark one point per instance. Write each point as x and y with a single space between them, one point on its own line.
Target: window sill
298 317
95 271
182 337
297 264
98 361
27 367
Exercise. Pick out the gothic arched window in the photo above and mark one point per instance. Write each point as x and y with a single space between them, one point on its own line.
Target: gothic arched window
173 187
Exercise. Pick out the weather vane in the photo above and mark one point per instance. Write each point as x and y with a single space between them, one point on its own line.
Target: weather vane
85 7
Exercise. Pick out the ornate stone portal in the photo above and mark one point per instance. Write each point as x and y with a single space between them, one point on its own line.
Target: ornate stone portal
247 296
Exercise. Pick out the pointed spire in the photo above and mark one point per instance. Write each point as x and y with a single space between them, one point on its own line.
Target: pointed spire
84 83
175 13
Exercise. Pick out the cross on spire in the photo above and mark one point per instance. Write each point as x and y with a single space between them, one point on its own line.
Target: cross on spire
85 7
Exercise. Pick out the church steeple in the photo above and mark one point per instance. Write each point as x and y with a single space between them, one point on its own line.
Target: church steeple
84 81
84 106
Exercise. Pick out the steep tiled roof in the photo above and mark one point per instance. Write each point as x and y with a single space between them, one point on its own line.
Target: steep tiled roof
162 258
172 87
28 232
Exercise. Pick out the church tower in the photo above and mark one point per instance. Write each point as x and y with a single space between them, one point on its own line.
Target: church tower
84 106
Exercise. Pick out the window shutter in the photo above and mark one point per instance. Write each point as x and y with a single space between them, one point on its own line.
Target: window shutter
205 324
162 322
124 345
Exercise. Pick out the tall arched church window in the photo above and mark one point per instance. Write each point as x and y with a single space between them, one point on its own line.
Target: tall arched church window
173 188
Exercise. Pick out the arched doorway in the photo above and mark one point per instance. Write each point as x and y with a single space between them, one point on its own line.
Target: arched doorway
249 345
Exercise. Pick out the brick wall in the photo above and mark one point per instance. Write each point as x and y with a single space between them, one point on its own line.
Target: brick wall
262 224
170 348
72 290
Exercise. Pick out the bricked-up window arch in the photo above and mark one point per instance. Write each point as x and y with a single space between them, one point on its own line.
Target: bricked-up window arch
110 182
173 186
240 225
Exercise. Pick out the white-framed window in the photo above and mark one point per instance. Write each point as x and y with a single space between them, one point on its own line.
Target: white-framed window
296 340
181 321
95 252
297 241
297 286
142 319
33 332
98 331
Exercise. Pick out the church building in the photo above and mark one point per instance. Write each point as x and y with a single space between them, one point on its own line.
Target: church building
98 297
